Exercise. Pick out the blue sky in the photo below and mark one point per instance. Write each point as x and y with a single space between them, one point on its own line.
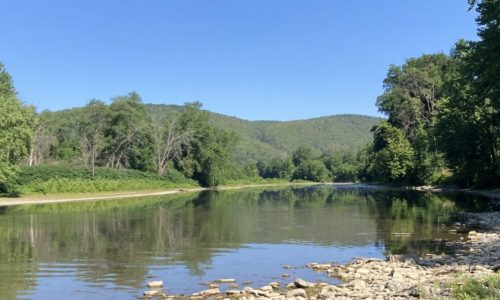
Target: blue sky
254 59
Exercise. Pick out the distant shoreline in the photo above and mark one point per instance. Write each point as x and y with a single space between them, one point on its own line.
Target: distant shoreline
84 197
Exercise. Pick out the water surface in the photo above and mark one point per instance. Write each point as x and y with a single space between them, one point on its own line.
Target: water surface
110 249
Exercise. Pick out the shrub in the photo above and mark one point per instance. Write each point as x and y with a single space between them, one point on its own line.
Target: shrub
313 170
486 288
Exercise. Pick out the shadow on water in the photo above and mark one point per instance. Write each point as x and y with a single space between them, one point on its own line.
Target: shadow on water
111 248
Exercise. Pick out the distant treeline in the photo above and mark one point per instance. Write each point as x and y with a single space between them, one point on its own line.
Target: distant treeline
442 126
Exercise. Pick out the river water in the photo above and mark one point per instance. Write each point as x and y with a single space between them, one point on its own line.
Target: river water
111 249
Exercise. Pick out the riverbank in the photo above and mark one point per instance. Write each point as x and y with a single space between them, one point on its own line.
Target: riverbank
475 257
81 197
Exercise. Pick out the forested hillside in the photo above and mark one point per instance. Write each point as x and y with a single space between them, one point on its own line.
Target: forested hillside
268 139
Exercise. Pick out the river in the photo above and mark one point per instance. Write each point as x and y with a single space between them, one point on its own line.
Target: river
111 249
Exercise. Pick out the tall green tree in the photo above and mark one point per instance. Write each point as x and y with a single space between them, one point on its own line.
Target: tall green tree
391 155
210 147
470 123
413 97
128 134
301 154
17 123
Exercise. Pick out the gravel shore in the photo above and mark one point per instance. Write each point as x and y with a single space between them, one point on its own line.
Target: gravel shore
397 277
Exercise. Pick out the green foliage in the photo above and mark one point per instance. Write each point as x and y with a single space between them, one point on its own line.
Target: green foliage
413 93
469 126
487 288
301 154
210 147
392 154
413 97
312 170
276 168
128 134
67 179
343 165
267 139
6 86
17 123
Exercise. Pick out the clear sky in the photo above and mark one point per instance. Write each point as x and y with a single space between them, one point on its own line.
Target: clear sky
254 59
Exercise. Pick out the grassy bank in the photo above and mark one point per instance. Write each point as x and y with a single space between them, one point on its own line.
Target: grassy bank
59 179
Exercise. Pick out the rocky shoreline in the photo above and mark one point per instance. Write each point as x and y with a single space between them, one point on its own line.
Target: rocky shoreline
398 277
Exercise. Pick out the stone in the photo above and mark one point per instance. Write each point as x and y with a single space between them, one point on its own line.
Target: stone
155 284
151 293
301 283
233 292
290 286
296 293
266 288
209 292
357 284
226 280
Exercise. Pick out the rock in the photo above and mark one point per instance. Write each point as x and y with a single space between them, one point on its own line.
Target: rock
155 284
266 288
363 271
226 280
357 284
151 293
324 295
233 292
290 286
301 283
209 292
296 293
285 275
213 286
274 285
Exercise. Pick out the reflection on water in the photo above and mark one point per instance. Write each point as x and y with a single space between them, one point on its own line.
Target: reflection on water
109 249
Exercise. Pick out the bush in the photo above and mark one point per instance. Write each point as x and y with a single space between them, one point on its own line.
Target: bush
485 288
73 179
313 170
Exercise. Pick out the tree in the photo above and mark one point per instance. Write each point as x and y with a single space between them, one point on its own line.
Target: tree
128 135
170 139
313 170
91 127
16 127
210 147
6 86
391 154
469 126
413 96
41 143
301 154
277 168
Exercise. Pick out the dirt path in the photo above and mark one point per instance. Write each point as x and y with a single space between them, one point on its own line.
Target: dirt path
62 198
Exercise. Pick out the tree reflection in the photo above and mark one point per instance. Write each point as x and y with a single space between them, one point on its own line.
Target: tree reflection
120 241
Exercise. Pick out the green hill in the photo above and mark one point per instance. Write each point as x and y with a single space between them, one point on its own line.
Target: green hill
266 139
260 140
